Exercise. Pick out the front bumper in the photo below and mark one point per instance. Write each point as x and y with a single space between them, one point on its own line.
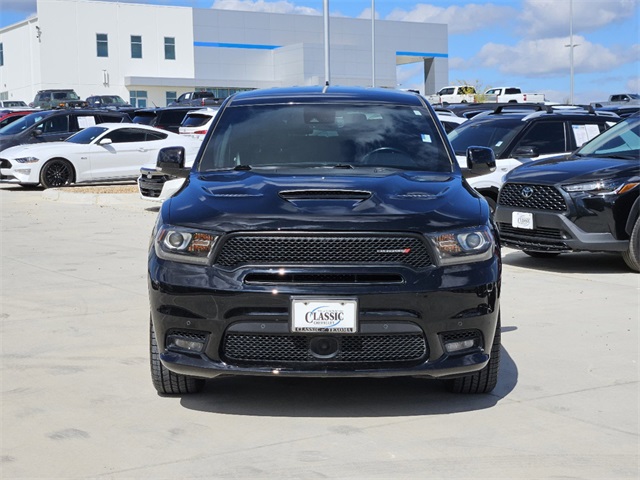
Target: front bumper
245 329
553 232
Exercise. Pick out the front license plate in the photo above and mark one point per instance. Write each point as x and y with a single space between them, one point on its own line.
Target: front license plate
522 220
330 315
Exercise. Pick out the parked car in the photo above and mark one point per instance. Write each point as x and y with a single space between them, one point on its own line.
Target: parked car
104 152
511 95
54 125
521 133
13 104
620 99
110 102
196 123
324 232
454 94
158 186
66 98
585 201
196 99
449 119
167 118
10 116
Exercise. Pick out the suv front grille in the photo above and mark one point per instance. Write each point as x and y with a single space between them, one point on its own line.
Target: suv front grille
151 186
538 239
540 197
324 250
275 350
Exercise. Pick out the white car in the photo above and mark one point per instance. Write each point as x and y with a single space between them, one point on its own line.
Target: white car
197 122
108 151
157 186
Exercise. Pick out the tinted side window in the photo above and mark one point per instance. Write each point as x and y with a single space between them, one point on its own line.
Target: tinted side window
55 124
127 135
103 118
152 136
546 137
170 117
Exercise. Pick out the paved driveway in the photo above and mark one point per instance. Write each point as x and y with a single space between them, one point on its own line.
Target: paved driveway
77 400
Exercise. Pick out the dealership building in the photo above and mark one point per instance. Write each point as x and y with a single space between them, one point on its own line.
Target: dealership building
150 54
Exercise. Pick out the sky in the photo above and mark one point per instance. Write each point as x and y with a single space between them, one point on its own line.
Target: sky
521 43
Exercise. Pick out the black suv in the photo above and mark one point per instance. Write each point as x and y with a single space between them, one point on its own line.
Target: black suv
167 118
46 99
54 125
519 133
586 201
324 232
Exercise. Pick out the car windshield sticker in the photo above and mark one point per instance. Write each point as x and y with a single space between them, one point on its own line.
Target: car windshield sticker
426 138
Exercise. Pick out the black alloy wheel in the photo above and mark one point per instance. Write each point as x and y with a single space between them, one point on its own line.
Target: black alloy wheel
56 173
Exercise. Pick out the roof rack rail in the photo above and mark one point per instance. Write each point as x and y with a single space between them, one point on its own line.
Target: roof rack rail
519 106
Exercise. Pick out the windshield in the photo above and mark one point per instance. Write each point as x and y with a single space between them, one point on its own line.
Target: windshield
495 134
23 123
326 135
621 140
86 135
113 100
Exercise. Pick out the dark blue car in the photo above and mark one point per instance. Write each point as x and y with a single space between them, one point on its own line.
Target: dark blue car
325 232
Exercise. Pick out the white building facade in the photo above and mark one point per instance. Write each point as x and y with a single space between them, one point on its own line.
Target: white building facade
150 54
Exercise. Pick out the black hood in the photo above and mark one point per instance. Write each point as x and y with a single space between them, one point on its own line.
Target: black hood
573 169
359 199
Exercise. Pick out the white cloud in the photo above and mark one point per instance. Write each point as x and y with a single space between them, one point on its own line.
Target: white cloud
550 18
281 6
461 19
549 57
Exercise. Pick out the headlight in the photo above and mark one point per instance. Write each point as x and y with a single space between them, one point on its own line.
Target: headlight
463 246
601 186
184 245
26 160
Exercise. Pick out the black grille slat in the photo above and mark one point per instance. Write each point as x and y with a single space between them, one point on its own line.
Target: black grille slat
506 231
538 239
543 197
315 249
322 279
280 349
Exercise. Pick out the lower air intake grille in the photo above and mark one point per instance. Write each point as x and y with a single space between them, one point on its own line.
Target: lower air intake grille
274 350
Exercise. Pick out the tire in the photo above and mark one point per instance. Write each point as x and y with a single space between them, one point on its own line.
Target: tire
482 381
632 255
492 204
165 381
541 254
56 173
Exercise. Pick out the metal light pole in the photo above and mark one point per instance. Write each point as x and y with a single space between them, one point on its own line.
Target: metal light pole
373 43
327 73
571 48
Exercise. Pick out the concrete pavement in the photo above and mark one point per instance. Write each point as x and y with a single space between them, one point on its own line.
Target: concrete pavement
77 400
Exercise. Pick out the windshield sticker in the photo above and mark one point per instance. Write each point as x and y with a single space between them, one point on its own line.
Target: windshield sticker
499 143
417 112
426 138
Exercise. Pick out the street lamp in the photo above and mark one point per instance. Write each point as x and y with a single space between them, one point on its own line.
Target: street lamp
571 46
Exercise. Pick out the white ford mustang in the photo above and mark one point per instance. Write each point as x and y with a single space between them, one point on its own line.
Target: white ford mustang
104 152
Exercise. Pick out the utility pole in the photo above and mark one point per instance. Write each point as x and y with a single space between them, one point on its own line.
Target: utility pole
327 73
373 43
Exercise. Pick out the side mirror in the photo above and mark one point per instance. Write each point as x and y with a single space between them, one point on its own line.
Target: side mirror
171 161
480 160
105 141
37 132
525 152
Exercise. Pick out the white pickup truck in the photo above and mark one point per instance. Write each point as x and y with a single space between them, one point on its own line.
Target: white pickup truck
454 94
511 95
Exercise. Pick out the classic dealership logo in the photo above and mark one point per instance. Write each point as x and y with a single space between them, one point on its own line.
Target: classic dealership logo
324 316
526 192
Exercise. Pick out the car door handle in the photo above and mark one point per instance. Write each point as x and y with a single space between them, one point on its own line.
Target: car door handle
143 149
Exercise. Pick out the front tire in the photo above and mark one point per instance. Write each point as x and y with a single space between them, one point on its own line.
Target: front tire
632 255
165 381
56 173
482 381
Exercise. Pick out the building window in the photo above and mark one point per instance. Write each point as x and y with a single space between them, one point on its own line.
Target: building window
1 54
169 48
138 98
102 44
136 46
171 97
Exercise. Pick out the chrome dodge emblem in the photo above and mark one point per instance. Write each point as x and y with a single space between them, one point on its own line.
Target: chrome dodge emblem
526 192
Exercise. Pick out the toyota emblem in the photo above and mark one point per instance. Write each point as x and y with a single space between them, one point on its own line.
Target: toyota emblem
526 192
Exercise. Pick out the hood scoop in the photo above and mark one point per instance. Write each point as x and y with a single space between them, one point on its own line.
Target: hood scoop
324 194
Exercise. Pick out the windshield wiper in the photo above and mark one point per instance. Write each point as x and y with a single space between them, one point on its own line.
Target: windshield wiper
242 167
343 165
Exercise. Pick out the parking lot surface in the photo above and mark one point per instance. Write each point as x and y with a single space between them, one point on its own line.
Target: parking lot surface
78 403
